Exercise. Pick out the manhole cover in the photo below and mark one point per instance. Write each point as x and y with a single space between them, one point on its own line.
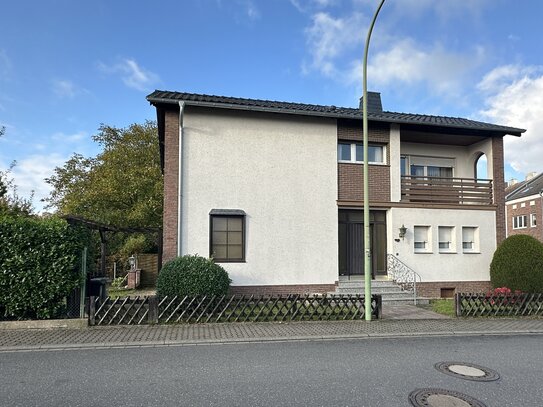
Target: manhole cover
468 371
442 398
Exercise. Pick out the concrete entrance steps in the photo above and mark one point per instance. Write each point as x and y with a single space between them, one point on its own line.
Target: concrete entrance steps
390 291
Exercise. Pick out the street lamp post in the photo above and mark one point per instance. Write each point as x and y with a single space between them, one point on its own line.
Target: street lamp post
367 248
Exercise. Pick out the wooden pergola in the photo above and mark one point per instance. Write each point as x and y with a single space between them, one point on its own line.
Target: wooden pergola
103 228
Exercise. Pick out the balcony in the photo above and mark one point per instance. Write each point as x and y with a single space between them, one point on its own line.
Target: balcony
446 191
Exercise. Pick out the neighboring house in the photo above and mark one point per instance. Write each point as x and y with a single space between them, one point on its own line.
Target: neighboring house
273 192
524 207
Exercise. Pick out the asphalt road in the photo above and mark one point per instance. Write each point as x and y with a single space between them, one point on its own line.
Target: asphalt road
367 372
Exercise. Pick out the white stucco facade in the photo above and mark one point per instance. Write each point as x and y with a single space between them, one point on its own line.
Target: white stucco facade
282 171
434 265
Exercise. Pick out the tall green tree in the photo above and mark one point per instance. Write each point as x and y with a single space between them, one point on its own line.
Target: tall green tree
121 186
10 202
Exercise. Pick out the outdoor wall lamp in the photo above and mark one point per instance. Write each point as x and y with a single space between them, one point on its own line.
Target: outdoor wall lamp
132 262
403 231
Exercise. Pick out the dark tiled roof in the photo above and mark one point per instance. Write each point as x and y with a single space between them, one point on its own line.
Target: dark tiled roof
526 188
165 97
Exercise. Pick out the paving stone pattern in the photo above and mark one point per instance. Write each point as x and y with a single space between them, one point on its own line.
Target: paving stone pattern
23 339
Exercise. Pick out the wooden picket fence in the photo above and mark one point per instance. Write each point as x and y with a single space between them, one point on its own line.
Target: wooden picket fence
487 305
243 308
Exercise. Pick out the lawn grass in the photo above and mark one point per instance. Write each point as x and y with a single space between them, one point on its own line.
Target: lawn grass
443 306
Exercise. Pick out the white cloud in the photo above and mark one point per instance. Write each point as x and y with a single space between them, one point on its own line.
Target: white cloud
443 9
69 138
252 10
409 63
331 38
133 75
514 97
305 6
332 42
5 65
64 88
29 175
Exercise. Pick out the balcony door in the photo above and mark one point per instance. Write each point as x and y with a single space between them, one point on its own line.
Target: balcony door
351 242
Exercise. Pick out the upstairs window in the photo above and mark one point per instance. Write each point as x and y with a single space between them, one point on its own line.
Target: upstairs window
227 235
354 153
520 222
431 171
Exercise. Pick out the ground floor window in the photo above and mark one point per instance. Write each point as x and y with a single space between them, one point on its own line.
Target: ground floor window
446 239
533 220
422 239
470 241
227 235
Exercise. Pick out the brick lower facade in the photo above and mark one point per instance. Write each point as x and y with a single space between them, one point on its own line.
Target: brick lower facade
351 182
441 289
282 289
350 176
171 182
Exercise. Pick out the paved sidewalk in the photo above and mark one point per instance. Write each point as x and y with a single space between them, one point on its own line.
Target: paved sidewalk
198 334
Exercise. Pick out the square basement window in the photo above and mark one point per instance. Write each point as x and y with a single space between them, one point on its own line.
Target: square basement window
447 293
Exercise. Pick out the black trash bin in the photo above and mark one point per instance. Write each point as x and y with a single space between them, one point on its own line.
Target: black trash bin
97 287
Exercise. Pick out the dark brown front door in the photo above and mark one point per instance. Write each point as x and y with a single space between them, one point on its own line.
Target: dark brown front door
351 242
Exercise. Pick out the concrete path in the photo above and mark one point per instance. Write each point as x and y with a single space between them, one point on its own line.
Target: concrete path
198 334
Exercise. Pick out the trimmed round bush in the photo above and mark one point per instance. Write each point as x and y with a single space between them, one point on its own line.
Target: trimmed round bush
192 275
518 264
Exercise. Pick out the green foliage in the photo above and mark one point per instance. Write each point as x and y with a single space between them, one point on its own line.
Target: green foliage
118 283
518 264
192 275
121 186
135 244
443 306
10 202
39 265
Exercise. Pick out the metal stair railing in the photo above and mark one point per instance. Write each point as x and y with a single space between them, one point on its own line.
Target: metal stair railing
403 275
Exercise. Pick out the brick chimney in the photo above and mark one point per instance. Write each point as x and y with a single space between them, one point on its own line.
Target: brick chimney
374 102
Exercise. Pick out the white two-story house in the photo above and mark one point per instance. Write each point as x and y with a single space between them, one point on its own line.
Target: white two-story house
273 191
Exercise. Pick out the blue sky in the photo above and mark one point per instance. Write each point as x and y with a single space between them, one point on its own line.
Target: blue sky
66 66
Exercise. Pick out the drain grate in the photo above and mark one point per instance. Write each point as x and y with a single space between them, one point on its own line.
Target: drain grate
442 398
467 371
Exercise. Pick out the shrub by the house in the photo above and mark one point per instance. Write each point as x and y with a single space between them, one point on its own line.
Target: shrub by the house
39 265
518 264
192 275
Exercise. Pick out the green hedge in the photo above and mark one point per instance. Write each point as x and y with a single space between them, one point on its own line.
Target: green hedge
518 264
192 275
39 265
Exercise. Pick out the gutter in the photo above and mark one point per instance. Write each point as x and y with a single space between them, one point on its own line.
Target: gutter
180 177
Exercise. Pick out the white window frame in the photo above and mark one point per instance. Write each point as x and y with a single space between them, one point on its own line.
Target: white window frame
474 243
428 161
451 244
520 222
426 243
353 153
533 220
